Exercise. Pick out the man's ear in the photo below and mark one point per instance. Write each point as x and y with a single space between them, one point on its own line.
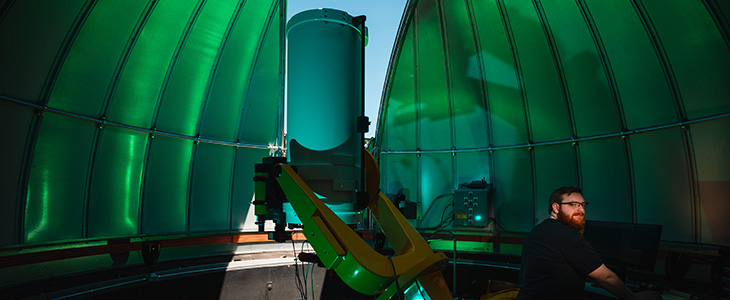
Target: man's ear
556 208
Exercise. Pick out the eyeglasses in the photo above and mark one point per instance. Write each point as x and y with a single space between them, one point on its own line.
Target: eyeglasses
575 204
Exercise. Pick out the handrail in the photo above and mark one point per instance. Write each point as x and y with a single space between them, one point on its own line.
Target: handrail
115 246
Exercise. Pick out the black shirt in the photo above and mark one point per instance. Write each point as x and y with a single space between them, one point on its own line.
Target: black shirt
555 262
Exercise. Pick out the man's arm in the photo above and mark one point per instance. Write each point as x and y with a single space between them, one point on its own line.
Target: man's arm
608 280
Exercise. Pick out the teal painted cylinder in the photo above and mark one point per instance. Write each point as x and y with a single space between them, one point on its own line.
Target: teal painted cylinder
324 89
323 78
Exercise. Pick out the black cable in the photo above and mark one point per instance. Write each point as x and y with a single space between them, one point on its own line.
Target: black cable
311 276
443 224
301 289
298 281
420 290
442 220
308 274
447 221
304 273
434 201
304 276
395 277
443 213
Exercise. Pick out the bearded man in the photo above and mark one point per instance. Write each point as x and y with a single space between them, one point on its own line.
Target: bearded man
556 259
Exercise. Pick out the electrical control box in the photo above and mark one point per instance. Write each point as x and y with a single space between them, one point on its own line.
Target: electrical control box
471 207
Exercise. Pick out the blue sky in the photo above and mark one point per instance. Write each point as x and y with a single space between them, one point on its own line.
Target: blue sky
383 18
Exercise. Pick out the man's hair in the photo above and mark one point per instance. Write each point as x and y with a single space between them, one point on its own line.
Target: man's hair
558 195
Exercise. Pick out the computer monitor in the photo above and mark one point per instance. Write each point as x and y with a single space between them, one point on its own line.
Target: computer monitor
625 245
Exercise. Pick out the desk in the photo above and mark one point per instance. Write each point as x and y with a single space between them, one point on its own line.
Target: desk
595 293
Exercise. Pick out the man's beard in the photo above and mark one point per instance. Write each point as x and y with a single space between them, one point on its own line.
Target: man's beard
576 221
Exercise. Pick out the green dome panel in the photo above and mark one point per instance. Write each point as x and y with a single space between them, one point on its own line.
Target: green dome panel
135 118
627 99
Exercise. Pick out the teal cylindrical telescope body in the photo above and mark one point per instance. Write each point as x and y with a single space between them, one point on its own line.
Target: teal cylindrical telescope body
323 78
324 88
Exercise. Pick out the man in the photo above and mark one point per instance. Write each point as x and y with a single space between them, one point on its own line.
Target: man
556 258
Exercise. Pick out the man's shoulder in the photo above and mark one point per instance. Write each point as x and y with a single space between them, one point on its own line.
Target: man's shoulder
554 229
550 224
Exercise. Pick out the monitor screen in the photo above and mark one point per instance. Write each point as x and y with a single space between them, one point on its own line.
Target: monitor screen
625 245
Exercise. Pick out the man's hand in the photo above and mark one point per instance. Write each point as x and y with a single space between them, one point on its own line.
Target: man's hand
607 279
